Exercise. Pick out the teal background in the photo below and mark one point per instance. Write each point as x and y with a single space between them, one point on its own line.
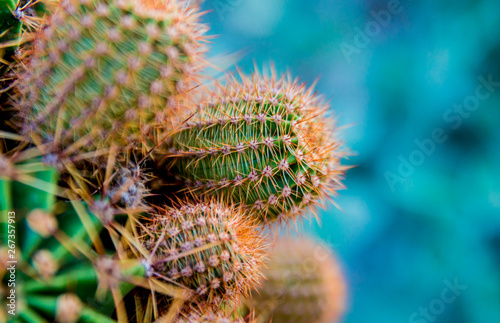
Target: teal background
402 240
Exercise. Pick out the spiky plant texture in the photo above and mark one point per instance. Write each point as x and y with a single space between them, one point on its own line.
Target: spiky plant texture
303 283
106 72
264 142
196 312
209 248
63 272
17 20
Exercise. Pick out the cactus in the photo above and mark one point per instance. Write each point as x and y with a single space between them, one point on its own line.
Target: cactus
106 122
17 20
303 284
264 142
60 262
198 313
10 31
106 73
207 247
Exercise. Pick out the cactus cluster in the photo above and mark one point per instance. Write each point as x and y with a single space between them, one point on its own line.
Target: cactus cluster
52 256
142 199
264 143
304 284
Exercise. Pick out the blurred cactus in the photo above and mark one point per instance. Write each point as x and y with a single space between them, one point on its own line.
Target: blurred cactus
303 284
107 72
198 313
265 143
208 247
61 265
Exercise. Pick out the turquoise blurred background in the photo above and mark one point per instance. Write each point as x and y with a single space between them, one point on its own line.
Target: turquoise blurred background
417 83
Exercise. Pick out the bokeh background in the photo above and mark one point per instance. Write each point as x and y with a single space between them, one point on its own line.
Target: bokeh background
413 220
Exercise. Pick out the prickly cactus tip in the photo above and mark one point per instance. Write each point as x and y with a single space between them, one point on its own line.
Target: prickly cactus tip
208 247
264 142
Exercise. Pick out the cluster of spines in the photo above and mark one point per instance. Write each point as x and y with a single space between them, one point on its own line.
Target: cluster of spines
207 247
18 19
107 72
303 283
264 142
59 252
130 187
197 312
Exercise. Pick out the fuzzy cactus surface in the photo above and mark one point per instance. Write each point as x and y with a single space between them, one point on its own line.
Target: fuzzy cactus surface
264 142
304 283
208 247
106 72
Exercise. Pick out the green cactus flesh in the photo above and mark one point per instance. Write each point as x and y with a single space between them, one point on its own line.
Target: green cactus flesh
106 72
10 32
265 144
50 241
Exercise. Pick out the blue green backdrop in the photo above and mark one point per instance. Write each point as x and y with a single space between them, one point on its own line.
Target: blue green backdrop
416 81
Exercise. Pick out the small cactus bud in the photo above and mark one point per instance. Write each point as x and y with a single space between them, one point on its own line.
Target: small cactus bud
303 283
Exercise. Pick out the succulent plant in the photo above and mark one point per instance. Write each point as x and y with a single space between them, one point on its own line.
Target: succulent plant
52 256
198 313
17 20
136 198
264 142
106 73
209 248
303 283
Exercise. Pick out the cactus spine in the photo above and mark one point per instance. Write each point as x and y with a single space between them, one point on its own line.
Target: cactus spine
106 72
207 247
303 284
265 143
60 260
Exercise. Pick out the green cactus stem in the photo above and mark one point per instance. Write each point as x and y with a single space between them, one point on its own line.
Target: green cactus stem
265 143
107 72
207 247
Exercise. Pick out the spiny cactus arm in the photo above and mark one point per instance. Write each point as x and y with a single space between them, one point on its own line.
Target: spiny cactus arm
264 142
207 247
107 72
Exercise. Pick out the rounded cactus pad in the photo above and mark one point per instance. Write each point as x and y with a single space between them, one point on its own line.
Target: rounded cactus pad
303 283
107 72
264 142
208 247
